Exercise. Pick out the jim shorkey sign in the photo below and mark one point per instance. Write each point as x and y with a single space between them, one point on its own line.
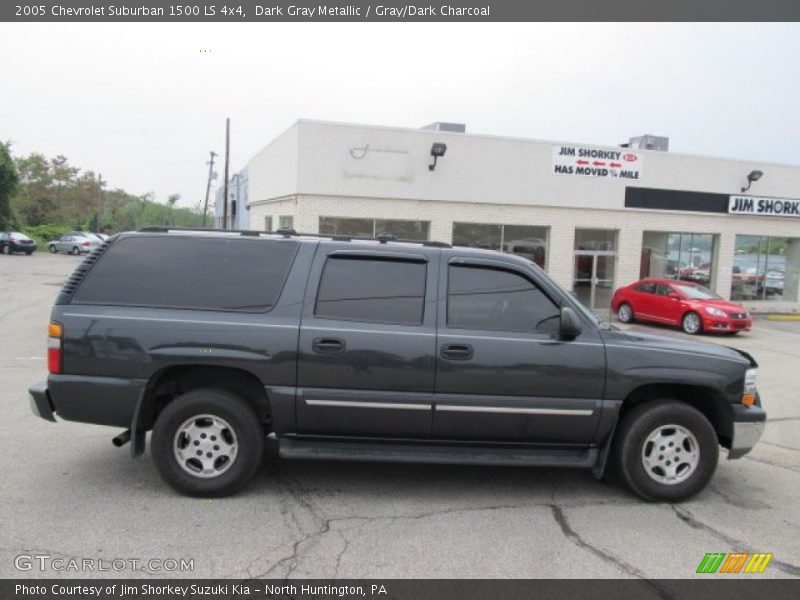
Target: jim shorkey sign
770 207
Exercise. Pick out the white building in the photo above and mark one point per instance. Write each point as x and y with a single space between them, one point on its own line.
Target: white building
237 210
596 217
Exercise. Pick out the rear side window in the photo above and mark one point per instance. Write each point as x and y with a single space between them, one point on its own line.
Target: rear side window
202 273
646 288
372 291
496 300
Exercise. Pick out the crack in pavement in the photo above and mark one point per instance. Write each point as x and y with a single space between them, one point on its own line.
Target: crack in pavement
771 463
779 419
689 519
736 500
575 538
790 448
286 566
341 554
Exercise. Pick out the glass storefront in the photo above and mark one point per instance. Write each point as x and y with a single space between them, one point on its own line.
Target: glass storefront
595 262
766 268
403 230
523 240
685 256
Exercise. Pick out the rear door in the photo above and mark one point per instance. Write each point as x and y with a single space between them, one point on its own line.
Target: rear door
368 342
502 372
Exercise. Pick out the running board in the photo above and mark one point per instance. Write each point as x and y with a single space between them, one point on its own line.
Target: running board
436 454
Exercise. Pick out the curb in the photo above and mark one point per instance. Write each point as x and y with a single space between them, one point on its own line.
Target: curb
779 317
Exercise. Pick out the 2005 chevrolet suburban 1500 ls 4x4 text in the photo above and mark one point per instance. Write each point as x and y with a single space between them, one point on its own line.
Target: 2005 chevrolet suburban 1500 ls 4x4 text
345 348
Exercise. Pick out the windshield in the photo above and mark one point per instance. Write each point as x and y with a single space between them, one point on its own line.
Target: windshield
696 292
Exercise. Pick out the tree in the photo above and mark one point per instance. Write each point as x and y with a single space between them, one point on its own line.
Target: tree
173 199
8 186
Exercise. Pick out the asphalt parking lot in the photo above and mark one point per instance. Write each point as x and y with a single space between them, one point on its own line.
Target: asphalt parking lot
68 493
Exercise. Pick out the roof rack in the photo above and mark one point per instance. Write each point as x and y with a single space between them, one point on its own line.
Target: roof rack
382 238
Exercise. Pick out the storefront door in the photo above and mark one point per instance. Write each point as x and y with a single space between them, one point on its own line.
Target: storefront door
594 278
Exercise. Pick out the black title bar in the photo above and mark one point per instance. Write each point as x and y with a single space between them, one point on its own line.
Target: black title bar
737 588
397 10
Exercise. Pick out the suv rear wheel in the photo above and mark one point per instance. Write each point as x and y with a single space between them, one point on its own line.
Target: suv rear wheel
666 450
208 442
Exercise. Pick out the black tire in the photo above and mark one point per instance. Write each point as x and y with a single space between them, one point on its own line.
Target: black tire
687 323
75 250
632 436
625 315
7 250
52 249
29 252
244 424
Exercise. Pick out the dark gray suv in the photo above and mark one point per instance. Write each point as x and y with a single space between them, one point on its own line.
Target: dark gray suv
377 349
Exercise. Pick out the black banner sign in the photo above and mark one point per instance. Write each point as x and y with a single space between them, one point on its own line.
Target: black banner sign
743 588
397 10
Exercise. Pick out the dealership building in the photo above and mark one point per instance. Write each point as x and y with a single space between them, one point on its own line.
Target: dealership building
595 217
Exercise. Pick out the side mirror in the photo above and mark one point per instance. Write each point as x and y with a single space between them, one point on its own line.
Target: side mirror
570 326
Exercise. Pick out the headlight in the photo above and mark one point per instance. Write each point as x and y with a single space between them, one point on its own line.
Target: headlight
717 312
749 396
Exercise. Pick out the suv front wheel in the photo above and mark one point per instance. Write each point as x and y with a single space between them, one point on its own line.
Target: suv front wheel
208 442
666 450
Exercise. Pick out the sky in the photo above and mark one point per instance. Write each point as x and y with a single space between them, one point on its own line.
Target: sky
143 104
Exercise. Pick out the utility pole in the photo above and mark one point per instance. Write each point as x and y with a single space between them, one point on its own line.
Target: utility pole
208 185
99 213
227 158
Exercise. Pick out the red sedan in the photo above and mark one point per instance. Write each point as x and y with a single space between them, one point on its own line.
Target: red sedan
688 305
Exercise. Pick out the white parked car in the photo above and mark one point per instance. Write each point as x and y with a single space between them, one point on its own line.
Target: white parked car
75 242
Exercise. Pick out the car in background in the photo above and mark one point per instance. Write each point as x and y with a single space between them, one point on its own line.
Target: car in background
684 304
14 241
74 242
773 282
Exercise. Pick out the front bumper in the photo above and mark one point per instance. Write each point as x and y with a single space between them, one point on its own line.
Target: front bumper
748 427
725 325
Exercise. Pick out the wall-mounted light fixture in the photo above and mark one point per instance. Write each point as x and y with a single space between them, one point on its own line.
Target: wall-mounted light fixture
751 177
438 149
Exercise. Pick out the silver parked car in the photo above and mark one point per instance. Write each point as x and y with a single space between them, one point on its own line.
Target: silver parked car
74 242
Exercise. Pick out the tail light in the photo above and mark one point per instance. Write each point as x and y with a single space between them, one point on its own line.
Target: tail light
86 244
55 339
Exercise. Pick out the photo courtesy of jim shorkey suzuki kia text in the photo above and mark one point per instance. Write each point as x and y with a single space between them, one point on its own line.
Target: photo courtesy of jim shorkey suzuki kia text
193 590
361 300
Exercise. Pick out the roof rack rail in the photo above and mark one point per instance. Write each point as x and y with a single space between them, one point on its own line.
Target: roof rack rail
383 238
167 229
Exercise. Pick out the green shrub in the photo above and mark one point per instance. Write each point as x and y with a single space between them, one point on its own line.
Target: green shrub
45 233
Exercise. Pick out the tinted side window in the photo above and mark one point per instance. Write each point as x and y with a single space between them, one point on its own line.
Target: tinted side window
646 288
491 299
372 290
190 272
663 290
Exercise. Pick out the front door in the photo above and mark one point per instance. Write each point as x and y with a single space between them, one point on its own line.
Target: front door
367 343
502 373
594 278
